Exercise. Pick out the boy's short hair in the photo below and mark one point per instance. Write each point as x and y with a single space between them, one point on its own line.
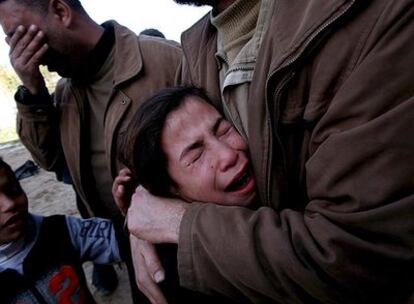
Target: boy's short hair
6 171
140 148
4 165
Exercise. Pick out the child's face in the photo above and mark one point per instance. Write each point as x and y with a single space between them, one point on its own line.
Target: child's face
13 207
208 160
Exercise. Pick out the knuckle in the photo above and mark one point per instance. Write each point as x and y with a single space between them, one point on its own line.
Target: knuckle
30 48
140 279
152 266
18 66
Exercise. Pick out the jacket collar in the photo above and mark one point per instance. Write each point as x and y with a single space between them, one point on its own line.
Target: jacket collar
128 58
195 40
294 32
291 32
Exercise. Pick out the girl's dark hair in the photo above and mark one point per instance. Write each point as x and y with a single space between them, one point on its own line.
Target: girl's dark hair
140 148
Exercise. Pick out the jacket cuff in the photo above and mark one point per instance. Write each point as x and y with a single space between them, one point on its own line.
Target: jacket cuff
186 272
35 111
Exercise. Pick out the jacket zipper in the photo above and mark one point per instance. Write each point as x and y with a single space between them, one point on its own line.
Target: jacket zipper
276 96
278 93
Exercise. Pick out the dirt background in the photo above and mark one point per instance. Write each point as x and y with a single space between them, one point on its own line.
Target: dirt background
47 196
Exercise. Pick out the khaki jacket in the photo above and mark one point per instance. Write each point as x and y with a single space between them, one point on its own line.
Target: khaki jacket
143 65
331 129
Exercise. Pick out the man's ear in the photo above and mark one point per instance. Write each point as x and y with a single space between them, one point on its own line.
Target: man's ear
61 12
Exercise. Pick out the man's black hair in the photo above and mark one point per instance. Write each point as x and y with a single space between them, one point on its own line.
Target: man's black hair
140 148
152 32
42 5
198 2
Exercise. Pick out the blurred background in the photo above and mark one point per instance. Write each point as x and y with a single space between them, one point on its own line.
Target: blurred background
164 15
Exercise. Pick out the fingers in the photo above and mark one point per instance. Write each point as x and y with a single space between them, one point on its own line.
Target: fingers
23 39
144 279
125 172
119 190
123 177
145 283
34 50
27 47
152 261
120 198
13 40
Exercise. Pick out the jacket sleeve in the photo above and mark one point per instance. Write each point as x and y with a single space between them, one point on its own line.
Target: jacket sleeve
354 242
94 239
38 129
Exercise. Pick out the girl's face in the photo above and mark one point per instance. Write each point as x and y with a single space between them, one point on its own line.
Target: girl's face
206 156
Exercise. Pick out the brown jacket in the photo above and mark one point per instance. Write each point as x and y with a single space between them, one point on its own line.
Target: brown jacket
331 124
143 65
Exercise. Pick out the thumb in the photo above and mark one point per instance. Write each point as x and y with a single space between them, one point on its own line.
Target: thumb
153 263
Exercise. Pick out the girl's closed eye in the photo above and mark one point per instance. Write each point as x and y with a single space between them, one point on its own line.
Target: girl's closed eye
196 155
224 128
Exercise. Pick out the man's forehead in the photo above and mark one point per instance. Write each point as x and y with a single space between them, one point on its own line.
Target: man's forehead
9 21
15 14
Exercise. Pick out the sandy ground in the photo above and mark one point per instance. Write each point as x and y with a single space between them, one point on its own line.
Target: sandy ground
46 197
8 109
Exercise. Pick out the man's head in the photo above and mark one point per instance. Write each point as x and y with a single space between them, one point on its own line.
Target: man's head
152 32
42 5
13 205
217 5
180 145
62 23
198 2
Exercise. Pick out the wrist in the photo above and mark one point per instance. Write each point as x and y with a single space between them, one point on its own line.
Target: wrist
177 216
25 96
35 90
